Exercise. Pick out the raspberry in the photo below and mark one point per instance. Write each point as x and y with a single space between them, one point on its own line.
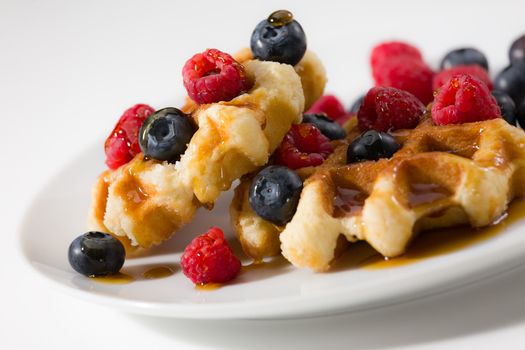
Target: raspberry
304 145
464 99
474 70
330 105
123 142
406 73
214 76
209 259
386 108
383 52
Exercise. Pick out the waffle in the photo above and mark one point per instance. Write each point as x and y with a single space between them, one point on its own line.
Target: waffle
442 176
146 201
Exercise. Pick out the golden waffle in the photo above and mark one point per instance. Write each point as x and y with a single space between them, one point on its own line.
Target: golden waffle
147 200
442 176
259 238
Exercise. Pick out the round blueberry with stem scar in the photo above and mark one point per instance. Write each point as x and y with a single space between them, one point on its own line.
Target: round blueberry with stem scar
274 194
165 134
279 38
96 254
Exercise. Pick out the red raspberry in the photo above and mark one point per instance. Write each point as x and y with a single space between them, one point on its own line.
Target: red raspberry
464 99
393 49
328 104
304 145
474 70
386 108
123 142
214 76
406 73
209 259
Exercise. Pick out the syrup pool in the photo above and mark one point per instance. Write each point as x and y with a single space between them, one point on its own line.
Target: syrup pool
138 273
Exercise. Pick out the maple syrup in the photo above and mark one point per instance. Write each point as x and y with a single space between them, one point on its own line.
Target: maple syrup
280 18
422 193
158 272
429 243
348 201
137 273
119 278
208 287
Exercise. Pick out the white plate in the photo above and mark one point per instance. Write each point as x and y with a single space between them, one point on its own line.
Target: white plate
58 215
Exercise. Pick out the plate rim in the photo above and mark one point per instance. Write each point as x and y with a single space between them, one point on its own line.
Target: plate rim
319 304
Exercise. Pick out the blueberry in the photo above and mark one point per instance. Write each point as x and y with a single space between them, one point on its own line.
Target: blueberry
371 145
511 80
356 105
274 194
327 126
517 50
282 40
507 106
96 254
464 56
520 114
165 134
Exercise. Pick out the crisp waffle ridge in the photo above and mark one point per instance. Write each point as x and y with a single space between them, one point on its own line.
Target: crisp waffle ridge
442 176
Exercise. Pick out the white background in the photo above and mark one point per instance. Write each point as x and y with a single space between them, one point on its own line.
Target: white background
69 68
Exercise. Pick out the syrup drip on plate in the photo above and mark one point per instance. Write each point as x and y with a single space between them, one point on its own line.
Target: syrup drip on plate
137 273
208 287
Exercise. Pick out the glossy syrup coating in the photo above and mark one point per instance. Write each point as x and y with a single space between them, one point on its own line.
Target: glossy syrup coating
280 18
278 39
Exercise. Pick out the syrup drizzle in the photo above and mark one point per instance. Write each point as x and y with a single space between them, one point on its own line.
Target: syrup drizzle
137 273
422 193
348 201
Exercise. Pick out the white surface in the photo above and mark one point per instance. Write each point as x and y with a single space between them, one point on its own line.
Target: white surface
68 69
263 293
